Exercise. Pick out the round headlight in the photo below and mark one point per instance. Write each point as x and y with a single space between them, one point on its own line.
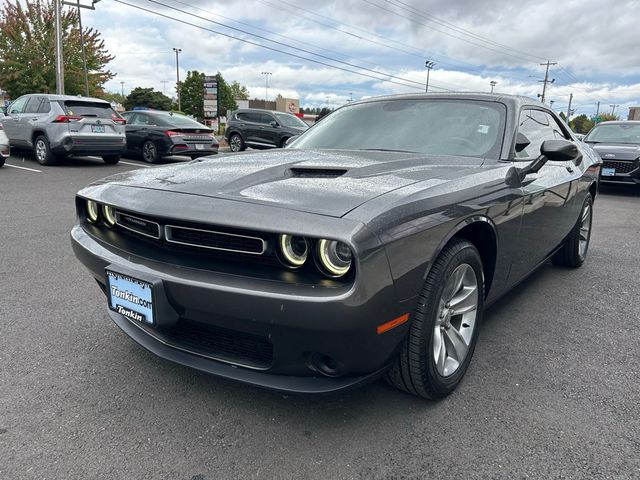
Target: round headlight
109 215
334 257
294 250
92 211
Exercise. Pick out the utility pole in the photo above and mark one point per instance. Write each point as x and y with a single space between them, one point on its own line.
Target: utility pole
613 108
428 65
178 50
266 86
59 61
122 88
493 83
546 78
598 109
569 107
78 5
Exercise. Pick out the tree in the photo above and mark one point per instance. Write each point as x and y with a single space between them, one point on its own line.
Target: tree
113 97
240 92
225 97
606 117
27 50
147 97
581 124
192 94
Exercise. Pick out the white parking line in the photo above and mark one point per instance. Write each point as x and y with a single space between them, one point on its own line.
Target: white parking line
135 164
22 168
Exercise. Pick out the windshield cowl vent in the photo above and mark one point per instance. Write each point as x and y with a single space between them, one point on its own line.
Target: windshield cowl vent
317 172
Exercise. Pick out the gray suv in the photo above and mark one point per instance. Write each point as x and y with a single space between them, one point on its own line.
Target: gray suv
60 125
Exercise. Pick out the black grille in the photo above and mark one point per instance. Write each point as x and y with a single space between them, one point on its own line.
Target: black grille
622 166
138 225
220 343
215 240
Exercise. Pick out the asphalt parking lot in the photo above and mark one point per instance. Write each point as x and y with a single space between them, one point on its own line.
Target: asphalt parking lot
553 390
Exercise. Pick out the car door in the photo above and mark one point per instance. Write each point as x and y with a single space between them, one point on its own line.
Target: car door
269 134
135 130
549 195
31 118
11 123
252 127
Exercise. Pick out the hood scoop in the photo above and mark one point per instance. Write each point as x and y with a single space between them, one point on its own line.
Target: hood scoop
306 172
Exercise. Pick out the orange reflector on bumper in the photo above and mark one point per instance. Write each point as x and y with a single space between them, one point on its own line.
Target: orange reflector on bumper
392 324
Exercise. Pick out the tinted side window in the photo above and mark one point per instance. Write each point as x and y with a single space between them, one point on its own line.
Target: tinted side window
251 117
266 118
32 105
45 106
18 105
534 124
557 129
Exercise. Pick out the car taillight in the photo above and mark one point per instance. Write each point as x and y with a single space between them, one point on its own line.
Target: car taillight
117 119
171 133
66 119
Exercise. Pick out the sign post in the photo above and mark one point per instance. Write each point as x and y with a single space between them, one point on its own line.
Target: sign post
210 87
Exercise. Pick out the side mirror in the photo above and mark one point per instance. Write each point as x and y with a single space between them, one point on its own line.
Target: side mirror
273 123
290 140
560 151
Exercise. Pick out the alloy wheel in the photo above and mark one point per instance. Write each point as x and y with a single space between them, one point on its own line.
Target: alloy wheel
41 151
585 231
149 152
455 324
235 143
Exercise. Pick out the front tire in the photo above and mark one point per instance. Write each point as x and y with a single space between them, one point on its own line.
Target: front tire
111 159
236 144
438 349
150 152
42 151
574 251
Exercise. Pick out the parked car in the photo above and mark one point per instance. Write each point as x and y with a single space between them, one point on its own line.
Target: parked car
153 134
4 146
370 246
261 129
56 126
618 143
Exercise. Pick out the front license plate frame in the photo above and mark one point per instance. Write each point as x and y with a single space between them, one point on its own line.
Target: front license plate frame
608 172
131 297
97 129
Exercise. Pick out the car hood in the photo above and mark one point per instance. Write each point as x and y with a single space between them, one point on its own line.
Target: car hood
324 182
618 151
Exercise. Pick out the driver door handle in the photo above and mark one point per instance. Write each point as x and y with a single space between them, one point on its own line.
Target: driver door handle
569 168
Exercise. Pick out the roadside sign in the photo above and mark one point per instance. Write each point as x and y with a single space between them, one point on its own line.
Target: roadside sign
210 90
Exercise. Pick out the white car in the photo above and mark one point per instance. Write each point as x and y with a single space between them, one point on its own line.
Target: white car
4 146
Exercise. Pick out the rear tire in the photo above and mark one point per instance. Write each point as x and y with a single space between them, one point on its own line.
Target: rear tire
42 151
236 144
442 337
2 159
150 152
111 159
574 251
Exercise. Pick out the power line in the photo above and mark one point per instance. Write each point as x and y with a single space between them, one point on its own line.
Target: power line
273 49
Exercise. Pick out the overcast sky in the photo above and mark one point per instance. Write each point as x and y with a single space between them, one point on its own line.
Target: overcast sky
595 43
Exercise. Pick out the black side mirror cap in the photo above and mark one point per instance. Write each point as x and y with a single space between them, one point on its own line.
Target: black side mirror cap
273 123
560 150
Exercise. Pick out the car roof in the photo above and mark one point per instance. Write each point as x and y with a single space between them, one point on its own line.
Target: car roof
514 101
618 122
77 98
260 110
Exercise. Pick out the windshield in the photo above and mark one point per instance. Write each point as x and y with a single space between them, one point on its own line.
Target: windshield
88 109
287 120
431 126
177 120
615 133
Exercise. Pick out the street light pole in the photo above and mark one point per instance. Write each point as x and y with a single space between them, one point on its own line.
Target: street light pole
493 83
428 65
266 86
122 88
178 50
59 60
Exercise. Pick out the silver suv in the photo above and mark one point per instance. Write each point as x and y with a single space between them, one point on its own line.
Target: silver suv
60 125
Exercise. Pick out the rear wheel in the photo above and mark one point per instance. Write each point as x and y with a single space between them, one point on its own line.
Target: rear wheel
150 152
574 251
444 331
236 144
2 159
111 159
42 151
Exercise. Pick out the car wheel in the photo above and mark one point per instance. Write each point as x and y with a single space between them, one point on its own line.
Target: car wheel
111 159
42 151
438 349
150 152
574 251
236 144
2 159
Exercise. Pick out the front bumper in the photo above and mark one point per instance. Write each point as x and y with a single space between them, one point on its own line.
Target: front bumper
626 171
303 328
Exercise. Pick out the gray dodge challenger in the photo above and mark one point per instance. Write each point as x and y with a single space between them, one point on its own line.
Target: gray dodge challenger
369 247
